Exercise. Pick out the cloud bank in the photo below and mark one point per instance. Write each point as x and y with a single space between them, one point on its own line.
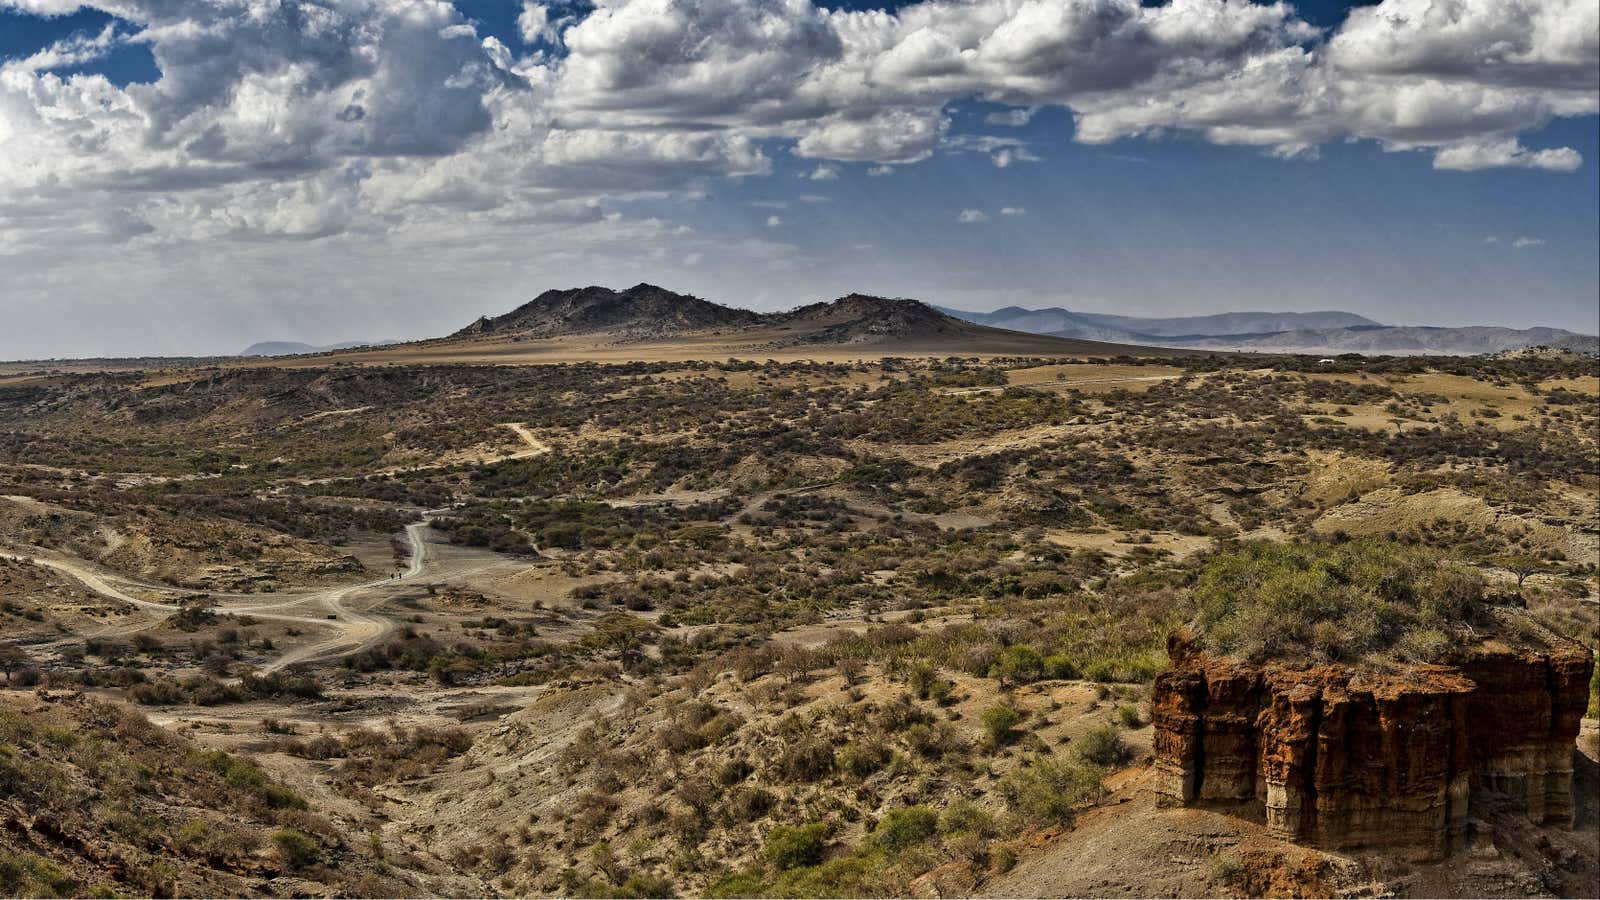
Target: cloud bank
294 120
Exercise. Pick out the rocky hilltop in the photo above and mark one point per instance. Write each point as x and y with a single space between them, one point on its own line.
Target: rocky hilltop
862 318
645 313
643 309
1346 758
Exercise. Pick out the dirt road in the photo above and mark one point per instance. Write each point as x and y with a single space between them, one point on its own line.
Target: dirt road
536 447
358 629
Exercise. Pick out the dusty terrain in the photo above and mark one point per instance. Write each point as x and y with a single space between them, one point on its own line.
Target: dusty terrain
855 625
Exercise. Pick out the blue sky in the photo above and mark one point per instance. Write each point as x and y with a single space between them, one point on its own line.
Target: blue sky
804 174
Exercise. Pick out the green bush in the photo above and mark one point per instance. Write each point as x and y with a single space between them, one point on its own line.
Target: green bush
644 885
998 722
297 848
791 846
966 817
1018 664
859 874
1060 666
862 760
734 885
1051 790
1101 747
1424 645
27 875
905 827
246 776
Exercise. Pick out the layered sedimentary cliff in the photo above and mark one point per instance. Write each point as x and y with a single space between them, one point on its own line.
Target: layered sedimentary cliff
1342 757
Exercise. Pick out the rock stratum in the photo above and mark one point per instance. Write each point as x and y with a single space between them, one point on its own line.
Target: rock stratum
1345 758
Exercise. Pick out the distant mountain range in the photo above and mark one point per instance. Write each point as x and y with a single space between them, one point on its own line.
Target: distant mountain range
1328 331
292 348
646 313
606 320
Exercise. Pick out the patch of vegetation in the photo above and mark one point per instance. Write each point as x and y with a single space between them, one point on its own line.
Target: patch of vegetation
1339 601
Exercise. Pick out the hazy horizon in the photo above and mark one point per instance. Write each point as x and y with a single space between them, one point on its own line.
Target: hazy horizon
316 340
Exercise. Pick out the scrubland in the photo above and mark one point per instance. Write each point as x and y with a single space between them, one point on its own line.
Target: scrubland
716 628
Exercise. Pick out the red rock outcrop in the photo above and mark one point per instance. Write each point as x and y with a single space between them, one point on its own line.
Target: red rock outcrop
1342 757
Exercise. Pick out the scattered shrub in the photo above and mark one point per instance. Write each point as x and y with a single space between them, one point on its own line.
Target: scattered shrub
297 849
790 846
1051 790
905 827
998 722
1101 747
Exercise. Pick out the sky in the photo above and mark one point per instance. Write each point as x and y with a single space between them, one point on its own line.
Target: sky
186 177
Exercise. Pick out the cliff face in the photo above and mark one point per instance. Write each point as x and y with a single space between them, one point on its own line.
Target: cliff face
1344 758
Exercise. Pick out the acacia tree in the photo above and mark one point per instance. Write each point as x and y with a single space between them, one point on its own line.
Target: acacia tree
1521 565
623 633
13 658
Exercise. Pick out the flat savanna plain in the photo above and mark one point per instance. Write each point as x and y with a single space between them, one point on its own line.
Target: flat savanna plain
383 624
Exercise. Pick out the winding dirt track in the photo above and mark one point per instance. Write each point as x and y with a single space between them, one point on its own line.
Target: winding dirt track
357 629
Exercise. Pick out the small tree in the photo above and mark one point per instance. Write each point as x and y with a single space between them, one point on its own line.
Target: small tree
1521 565
850 668
13 658
623 633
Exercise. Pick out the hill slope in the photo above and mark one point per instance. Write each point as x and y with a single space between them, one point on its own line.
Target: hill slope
642 310
649 322
97 801
864 319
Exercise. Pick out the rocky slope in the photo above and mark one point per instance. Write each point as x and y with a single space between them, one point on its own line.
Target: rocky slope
644 310
648 315
860 318
1342 757
97 801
